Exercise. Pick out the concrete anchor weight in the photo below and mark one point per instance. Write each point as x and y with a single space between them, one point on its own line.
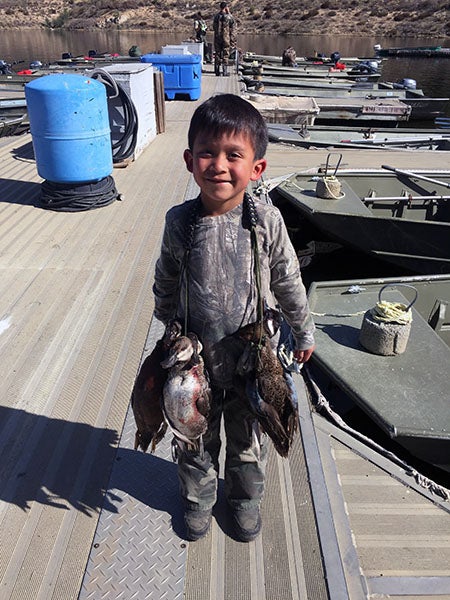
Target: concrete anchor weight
386 327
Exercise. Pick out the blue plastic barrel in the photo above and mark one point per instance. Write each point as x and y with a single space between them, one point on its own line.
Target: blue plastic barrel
69 124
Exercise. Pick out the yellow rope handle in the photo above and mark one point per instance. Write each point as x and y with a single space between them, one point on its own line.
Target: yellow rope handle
331 179
392 312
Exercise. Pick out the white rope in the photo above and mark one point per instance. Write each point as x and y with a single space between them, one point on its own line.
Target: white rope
391 312
333 186
355 314
422 480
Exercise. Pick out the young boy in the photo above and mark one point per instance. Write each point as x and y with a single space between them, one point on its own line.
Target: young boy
205 272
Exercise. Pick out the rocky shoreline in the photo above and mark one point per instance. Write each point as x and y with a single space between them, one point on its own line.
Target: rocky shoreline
405 18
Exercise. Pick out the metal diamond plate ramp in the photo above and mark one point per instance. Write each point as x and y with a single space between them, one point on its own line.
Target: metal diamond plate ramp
136 552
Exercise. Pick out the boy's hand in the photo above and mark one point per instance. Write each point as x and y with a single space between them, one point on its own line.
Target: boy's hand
302 356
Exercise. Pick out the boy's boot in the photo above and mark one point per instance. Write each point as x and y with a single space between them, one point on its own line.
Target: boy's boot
197 523
217 69
247 523
225 70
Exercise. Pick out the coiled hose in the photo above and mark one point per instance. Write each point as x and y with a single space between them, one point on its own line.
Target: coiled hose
126 145
75 197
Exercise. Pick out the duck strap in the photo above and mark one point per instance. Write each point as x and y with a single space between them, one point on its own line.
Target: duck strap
253 219
191 223
185 271
257 272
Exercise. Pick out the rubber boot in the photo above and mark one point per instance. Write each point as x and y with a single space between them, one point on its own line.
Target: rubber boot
217 69
225 70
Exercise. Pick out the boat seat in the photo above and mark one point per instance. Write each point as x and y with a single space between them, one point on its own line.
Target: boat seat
439 318
350 203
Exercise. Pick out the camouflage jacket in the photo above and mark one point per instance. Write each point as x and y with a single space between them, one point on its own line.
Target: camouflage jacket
221 296
224 29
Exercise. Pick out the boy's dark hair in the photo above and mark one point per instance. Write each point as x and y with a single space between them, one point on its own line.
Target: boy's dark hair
223 5
228 113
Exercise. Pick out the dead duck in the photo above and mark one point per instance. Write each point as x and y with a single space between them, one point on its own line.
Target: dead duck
186 392
262 379
146 397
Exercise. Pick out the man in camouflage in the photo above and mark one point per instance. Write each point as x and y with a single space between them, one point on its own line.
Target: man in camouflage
224 38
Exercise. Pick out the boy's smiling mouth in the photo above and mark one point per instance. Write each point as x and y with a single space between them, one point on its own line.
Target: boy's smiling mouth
218 181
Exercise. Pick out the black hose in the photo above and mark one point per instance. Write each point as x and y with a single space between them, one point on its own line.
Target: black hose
75 197
126 145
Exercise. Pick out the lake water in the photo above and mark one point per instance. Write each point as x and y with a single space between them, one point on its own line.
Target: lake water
432 75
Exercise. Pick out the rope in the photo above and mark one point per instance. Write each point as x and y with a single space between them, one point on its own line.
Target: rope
184 271
391 312
355 314
78 197
323 404
329 187
250 218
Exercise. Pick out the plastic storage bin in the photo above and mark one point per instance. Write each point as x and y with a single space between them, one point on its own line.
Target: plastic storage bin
182 73
184 48
69 126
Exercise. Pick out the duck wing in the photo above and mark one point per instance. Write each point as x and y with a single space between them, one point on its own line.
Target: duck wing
146 400
268 418
270 398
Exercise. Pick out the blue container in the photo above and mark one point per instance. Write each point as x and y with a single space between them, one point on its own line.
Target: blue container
69 124
182 73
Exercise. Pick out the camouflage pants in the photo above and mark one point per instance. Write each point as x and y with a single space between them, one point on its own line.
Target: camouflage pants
222 50
244 461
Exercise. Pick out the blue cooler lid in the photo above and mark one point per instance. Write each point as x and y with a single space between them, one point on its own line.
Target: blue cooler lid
169 59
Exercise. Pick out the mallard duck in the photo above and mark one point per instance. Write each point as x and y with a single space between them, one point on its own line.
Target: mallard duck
146 397
186 392
262 378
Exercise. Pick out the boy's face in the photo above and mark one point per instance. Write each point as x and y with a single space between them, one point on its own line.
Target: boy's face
222 168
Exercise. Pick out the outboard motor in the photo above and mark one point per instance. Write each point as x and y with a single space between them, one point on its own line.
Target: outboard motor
335 57
5 68
36 64
410 84
66 55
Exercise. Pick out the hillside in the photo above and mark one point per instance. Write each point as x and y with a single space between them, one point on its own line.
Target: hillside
402 18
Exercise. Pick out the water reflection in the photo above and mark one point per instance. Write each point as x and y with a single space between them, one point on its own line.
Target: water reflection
432 75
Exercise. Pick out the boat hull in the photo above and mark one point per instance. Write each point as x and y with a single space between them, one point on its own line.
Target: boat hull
423 108
400 219
405 395
12 125
420 51
323 136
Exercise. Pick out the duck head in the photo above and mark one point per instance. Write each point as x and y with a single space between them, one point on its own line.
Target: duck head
182 350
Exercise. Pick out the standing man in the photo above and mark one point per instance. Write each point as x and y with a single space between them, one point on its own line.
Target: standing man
200 28
224 38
